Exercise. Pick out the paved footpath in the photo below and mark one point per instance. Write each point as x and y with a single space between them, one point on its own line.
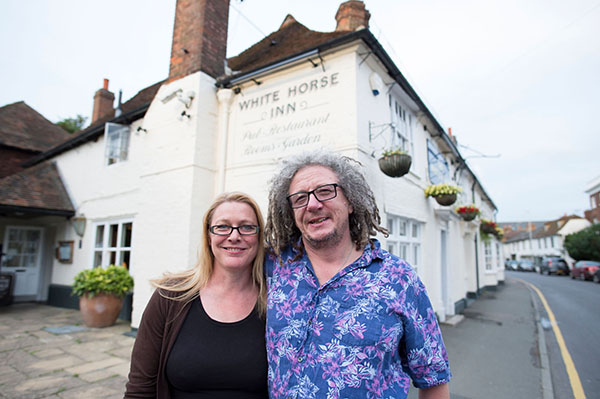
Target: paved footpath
493 351
36 363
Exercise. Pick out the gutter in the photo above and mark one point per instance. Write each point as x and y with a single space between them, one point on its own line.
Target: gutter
40 211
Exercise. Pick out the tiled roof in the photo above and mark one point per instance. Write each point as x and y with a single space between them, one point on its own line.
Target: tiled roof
38 187
518 231
23 127
291 38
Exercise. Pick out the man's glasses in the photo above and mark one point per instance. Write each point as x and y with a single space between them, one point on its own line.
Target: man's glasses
225 230
321 193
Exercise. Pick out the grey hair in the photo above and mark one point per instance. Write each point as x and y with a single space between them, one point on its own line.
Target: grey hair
281 230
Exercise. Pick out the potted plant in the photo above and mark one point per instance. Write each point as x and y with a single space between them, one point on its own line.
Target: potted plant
488 227
499 233
101 292
395 162
444 194
467 212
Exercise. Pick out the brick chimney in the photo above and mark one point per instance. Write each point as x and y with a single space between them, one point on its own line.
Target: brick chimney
199 38
352 15
103 103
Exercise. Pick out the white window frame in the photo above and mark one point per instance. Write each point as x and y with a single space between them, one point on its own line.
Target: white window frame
104 252
487 248
116 138
401 126
405 239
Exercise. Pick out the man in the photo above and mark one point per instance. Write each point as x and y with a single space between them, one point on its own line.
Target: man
345 319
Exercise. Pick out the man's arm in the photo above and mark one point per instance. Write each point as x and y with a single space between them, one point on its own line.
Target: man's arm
436 392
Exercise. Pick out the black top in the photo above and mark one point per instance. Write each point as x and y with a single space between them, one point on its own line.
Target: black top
211 359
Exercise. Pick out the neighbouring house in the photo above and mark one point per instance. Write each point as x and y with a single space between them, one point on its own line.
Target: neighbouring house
140 179
593 190
535 240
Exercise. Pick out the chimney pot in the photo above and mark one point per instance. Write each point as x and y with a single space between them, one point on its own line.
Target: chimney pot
352 15
103 103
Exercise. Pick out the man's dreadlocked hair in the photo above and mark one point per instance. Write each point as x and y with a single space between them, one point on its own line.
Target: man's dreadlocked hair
281 230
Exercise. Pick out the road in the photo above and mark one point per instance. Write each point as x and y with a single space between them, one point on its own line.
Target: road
575 306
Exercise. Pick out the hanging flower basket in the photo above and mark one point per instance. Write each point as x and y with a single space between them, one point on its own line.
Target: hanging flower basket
467 212
395 163
445 199
488 227
444 194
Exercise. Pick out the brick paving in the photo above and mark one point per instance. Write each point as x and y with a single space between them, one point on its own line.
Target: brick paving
36 363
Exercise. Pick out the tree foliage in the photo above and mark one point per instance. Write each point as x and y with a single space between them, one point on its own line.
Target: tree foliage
584 244
72 125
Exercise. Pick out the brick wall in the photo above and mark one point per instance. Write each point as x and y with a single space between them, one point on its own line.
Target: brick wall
199 38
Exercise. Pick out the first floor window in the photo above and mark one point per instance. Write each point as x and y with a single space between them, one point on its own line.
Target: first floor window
113 244
117 142
405 239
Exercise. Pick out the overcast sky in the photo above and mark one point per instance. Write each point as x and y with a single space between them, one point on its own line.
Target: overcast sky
518 81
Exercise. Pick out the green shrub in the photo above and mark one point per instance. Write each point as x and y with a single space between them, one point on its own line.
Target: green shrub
112 280
585 244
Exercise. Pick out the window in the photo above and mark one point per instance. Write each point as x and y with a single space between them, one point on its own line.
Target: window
405 239
499 256
117 142
488 256
438 166
113 244
402 135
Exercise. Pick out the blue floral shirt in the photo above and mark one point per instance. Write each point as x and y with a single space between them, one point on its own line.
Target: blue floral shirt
364 334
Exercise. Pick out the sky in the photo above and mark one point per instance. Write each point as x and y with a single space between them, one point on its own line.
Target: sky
517 81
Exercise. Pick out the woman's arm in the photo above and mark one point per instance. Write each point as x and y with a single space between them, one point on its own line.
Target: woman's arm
145 356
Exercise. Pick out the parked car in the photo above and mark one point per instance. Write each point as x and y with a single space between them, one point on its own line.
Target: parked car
511 265
554 265
525 265
585 269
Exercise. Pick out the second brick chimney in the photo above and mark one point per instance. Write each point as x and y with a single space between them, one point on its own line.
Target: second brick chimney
199 38
352 15
103 103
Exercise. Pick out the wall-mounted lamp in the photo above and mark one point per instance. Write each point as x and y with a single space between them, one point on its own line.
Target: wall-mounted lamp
376 83
79 225
186 98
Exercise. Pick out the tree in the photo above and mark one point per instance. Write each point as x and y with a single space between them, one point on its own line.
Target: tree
72 125
584 244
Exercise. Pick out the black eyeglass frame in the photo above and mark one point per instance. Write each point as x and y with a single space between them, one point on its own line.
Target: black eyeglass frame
231 228
314 193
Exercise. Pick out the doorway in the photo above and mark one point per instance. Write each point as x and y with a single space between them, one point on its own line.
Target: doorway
22 257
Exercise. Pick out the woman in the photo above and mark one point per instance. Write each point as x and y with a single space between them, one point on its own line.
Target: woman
202 333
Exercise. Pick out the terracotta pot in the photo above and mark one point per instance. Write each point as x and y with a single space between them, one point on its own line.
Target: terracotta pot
468 216
101 310
396 165
446 199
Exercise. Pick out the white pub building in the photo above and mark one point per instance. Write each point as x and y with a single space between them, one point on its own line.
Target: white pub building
140 178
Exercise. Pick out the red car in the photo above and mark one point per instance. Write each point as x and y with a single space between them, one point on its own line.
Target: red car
585 269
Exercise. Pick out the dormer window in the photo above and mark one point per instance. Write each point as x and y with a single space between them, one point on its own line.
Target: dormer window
117 142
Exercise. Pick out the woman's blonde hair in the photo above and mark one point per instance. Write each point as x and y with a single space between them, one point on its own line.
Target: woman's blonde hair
187 284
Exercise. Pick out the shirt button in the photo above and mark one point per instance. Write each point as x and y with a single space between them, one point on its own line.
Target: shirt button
309 322
300 359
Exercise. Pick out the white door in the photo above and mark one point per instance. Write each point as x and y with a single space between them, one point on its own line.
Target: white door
22 247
